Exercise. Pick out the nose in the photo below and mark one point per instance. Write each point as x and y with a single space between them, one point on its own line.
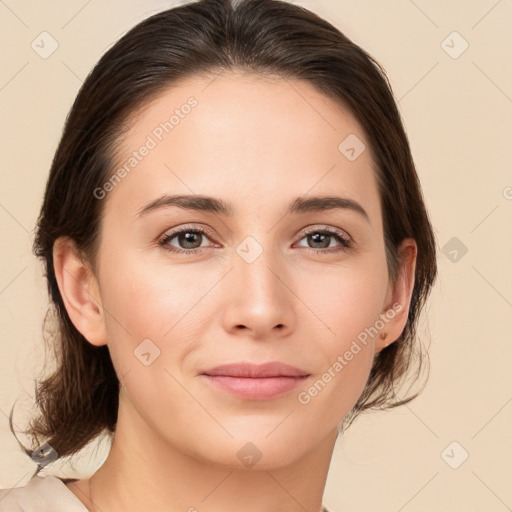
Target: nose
260 302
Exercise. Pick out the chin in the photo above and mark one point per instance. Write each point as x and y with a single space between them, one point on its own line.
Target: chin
250 452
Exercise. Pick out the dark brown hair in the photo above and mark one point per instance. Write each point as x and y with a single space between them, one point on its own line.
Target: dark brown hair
79 399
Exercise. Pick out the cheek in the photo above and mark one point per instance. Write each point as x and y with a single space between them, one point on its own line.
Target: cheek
150 301
157 309
347 349
147 319
334 392
349 303
346 300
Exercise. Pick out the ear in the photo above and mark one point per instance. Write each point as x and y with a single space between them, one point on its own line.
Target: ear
398 296
79 290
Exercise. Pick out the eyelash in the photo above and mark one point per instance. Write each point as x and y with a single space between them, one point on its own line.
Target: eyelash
346 243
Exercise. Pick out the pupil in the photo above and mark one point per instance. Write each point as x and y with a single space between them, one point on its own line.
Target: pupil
189 238
322 239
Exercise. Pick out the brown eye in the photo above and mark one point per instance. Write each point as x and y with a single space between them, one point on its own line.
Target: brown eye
320 239
189 240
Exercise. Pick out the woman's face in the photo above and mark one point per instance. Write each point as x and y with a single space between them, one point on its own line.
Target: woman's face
262 282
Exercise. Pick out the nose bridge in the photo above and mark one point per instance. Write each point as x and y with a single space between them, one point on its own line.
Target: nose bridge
256 266
260 300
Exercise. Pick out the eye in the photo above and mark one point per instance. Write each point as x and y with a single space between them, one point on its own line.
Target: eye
190 240
323 238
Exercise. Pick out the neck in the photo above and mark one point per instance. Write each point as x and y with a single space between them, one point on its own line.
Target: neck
147 473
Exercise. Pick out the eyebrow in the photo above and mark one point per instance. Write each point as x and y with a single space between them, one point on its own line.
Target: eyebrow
214 205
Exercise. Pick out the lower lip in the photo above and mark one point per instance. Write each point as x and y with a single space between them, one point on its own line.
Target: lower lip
256 388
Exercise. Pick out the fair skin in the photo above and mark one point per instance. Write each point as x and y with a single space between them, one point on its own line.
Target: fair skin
257 144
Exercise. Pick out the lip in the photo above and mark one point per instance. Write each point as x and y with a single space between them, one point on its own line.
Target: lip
251 370
256 381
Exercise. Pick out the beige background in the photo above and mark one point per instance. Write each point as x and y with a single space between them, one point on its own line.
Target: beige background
457 113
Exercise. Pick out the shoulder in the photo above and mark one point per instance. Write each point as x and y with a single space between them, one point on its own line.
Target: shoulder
40 494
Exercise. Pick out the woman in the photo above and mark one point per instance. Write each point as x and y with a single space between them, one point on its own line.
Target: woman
237 252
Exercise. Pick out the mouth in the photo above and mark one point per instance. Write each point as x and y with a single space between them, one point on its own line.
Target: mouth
256 382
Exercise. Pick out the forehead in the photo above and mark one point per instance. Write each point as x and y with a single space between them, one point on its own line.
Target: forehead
245 135
244 109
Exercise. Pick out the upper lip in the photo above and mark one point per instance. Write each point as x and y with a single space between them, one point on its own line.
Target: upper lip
251 370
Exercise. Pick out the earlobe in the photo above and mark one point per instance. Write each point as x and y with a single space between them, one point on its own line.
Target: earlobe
79 290
399 296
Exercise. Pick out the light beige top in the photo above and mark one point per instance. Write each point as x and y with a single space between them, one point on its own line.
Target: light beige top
44 494
40 494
